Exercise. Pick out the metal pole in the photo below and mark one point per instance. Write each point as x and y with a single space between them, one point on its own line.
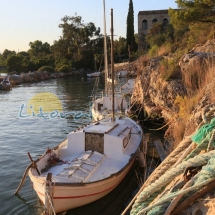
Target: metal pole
112 64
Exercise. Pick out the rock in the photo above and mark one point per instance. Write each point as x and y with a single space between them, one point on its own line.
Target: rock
39 76
130 67
16 79
27 77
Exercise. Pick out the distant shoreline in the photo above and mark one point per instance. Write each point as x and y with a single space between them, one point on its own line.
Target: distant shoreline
37 76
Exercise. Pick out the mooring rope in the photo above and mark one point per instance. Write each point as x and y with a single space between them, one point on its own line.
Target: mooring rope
141 212
173 157
199 160
211 143
205 139
191 198
163 167
48 192
206 175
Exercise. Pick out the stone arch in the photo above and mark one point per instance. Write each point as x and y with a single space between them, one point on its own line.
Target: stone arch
165 21
144 24
154 21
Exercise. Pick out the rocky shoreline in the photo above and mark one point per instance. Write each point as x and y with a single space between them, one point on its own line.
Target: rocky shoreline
37 76
185 102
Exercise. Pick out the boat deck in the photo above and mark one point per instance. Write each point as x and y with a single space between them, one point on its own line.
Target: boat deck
87 167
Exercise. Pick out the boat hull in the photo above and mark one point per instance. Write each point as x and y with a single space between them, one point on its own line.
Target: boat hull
69 196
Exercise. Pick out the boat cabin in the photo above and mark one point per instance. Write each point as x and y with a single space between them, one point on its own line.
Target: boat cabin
105 103
100 137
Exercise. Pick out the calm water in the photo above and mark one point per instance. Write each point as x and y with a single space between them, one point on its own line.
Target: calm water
18 136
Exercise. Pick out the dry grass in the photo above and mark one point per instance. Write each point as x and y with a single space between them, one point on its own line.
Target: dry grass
164 50
199 75
185 105
178 131
194 77
144 60
142 63
169 69
200 80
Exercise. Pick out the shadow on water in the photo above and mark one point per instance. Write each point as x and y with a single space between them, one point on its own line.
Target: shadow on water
19 136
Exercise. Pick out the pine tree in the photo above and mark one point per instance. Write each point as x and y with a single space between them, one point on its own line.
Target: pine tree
193 11
130 39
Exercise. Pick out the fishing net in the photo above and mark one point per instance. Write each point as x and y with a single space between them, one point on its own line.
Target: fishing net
203 132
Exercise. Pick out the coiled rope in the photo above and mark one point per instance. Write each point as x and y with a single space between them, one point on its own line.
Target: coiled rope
174 156
205 176
199 160
205 139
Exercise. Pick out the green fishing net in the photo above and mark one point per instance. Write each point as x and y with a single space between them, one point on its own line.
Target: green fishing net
203 132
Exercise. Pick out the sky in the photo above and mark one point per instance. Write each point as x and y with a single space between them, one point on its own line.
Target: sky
25 21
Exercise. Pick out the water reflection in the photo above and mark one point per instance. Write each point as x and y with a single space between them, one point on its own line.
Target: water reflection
34 135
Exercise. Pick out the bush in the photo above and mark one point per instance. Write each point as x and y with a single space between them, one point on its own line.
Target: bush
153 52
169 69
185 105
47 68
64 68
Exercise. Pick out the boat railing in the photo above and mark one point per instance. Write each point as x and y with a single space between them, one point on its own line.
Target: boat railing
103 94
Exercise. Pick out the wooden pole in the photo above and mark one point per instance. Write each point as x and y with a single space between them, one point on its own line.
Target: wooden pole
112 65
23 179
105 50
33 163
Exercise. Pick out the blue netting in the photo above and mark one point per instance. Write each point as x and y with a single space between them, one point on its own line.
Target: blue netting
203 132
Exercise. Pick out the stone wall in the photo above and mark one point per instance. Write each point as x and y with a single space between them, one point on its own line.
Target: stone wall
145 21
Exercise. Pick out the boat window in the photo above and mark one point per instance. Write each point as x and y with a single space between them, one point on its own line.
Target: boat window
94 142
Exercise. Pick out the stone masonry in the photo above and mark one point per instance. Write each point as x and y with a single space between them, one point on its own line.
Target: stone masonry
145 21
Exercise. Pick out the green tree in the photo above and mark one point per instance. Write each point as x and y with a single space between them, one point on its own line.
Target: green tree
40 55
14 63
159 34
192 11
6 53
75 42
120 49
38 47
131 44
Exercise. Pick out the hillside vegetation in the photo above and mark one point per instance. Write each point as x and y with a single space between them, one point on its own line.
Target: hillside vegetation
189 35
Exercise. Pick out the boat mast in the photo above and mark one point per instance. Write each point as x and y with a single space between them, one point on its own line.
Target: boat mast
112 64
105 50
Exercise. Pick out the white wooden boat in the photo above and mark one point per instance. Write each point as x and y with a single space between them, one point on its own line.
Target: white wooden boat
89 164
102 107
102 104
93 74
